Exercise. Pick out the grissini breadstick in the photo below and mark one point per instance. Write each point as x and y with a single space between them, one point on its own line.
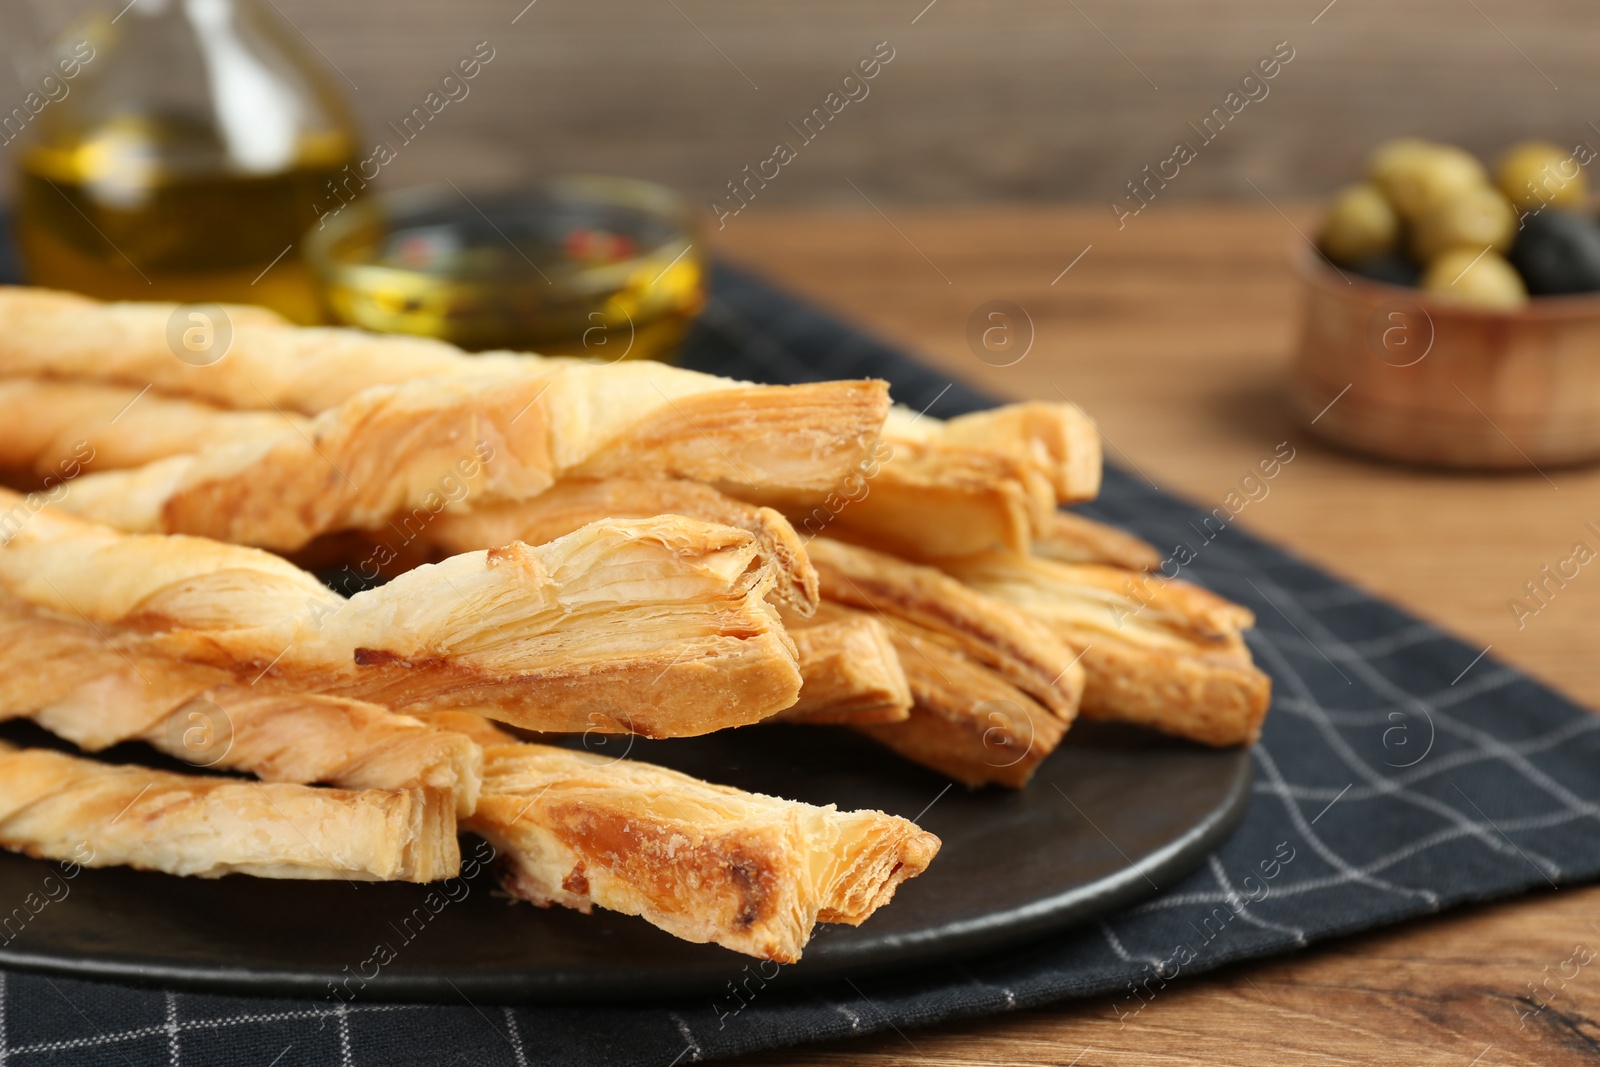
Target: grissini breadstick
986 630
85 686
61 807
852 673
1072 538
658 626
966 721
1159 653
704 862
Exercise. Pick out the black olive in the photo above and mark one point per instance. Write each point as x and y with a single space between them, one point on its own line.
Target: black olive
1558 252
1390 267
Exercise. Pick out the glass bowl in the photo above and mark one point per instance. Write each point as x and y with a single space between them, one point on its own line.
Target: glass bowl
601 267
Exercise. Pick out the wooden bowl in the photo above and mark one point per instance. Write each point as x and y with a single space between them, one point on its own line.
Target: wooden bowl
1396 372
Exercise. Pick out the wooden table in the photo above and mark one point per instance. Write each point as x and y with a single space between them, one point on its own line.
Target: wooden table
1174 333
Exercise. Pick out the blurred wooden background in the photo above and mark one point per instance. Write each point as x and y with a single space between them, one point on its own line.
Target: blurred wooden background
1034 100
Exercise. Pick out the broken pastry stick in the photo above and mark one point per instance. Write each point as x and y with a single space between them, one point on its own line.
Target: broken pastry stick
1058 439
703 862
1159 653
988 631
61 428
388 451
1072 538
85 687
569 505
851 672
967 721
60 807
660 626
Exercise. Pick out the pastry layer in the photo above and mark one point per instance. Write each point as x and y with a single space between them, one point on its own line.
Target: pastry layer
76 810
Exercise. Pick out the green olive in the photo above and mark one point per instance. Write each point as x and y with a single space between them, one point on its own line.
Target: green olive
1482 279
1359 225
1417 175
1535 173
1475 219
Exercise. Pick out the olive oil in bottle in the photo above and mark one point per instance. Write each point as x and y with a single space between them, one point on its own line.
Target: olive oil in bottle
185 160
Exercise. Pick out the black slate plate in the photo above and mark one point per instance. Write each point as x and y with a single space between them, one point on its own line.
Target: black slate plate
1109 817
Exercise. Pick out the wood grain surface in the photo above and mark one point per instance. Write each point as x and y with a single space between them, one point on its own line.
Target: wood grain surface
1030 99
1175 334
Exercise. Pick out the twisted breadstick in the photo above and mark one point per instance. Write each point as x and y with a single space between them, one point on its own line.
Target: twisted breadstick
966 721
84 686
656 626
851 669
1159 653
704 862
60 428
1074 539
93 814
637 417
985 630
569 505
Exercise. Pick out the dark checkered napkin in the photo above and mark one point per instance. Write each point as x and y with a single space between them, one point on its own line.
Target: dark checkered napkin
1400 772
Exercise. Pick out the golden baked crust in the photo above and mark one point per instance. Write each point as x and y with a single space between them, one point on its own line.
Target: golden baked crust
1072 538
61 807
52 424
388 451
626 419
704 862
928 499
967 721
1159 653
97 691
852 673
1056 439
569 505
1023 651
933 488
658 626
268 363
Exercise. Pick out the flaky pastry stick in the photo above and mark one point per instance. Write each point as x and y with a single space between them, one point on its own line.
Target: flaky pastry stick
114 427
387 451
1072 538
924 500
625 419
852 672
704 862
659 626
966 720
1159 653
570 505
60 807
81 684
1057 438
988 631
934 488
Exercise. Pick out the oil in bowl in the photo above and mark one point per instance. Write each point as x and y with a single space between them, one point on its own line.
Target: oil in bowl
605 268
